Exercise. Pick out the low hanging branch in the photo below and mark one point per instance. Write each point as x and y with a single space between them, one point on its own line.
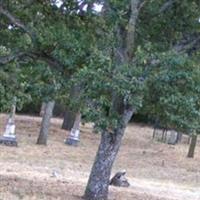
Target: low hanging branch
46 57
191 44
166 5
52 62
184 46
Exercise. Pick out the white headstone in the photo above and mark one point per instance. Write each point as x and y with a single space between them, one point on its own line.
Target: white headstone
10 129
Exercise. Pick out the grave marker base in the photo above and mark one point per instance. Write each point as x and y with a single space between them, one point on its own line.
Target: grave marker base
8 141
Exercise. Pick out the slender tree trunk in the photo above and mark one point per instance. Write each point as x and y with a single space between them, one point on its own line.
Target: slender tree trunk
163 135
98 183
69 116
73 138
192 146
189 139
68 121
154 133
42 109
179 137
44 131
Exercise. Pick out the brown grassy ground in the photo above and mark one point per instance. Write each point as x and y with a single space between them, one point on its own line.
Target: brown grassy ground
156 171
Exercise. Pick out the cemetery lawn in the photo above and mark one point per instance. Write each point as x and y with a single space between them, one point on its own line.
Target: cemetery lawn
59 172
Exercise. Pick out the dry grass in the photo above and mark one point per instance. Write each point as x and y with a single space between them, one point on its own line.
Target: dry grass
156 171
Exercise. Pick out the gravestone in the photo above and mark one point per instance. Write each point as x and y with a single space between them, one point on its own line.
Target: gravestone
73 138
160 134
9 137
120 180
172 137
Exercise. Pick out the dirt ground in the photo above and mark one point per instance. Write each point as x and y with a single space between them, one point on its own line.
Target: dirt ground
156 171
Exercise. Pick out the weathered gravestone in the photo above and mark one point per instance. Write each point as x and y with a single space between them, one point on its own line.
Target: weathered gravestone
169 136
172 137
9 136
73 138
120 180
160 134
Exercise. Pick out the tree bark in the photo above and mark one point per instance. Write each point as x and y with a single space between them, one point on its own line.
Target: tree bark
68 121
97 187
192 146
44 131
98 183
69 116
179 137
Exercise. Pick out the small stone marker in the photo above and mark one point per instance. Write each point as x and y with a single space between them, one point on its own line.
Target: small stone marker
120 180
55 174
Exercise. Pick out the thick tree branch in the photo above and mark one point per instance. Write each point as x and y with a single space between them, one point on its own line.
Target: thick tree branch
142 3
188 45
52 62
13 19
9 58
125 53
130 40
166 5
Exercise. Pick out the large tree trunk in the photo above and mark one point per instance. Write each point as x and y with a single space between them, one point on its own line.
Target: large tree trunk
97 188
68 121
44 131
98 183
73 137
192 146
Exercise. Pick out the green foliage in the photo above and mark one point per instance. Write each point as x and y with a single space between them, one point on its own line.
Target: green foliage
41 82
11 86
98 80
57 48
173 92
